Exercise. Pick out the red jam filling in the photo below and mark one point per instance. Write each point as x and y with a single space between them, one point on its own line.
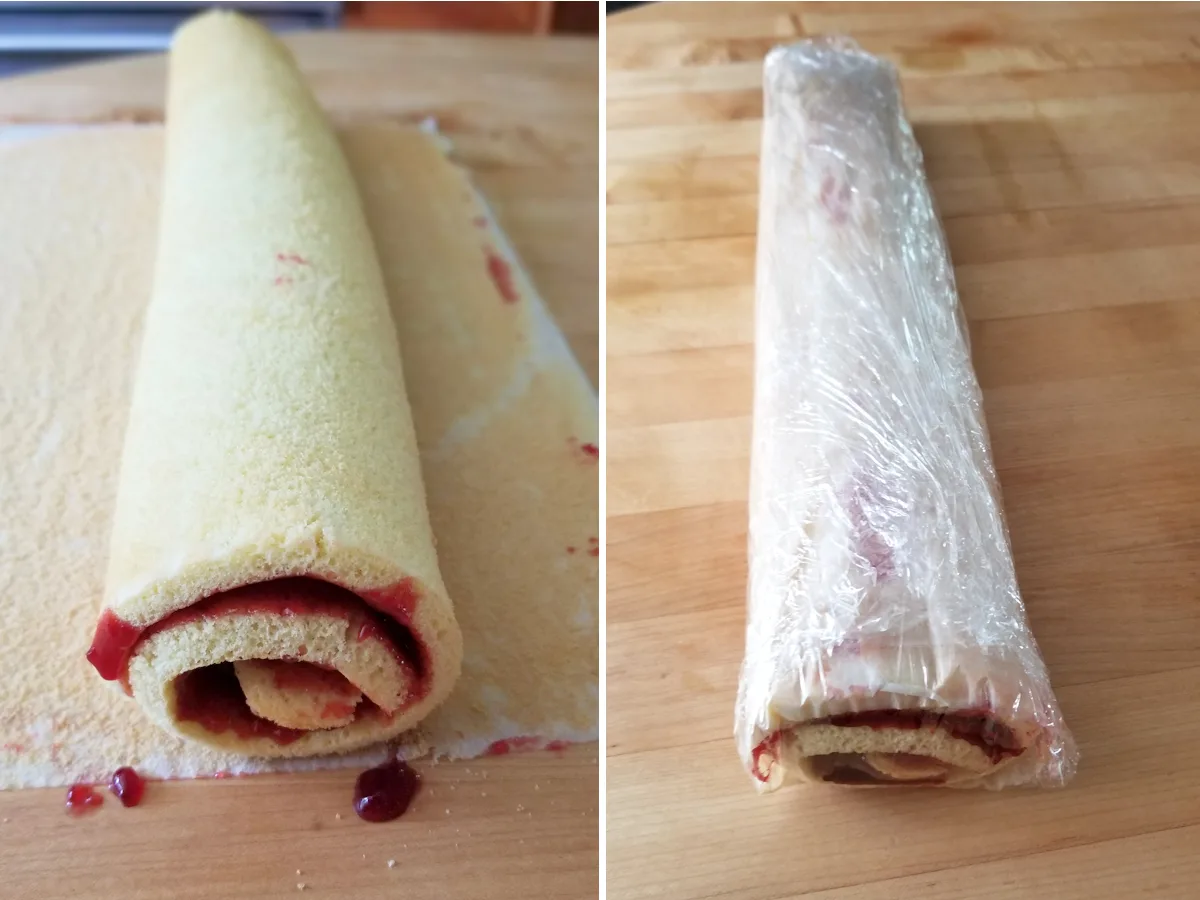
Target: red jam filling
128 785
115 640
385 792
502 277
212 697
994 738
82 798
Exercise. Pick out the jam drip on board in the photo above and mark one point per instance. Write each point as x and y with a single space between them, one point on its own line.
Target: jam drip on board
128 786
83 798
385 792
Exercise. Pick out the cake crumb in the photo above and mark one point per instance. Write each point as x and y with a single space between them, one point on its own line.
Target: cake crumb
537 787
520 807
447 812
298 872
337 815
300 885
391 864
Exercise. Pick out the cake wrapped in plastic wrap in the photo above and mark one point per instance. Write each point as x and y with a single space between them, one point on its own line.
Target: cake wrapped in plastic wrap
887 642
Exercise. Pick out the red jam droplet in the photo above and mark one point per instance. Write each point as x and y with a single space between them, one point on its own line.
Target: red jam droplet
82 798
502 277
512 745
128 785
384 792
591 450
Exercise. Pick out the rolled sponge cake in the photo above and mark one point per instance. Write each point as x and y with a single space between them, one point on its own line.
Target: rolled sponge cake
273 586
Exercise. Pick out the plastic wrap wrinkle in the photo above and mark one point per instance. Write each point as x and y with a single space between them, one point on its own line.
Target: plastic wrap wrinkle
880 572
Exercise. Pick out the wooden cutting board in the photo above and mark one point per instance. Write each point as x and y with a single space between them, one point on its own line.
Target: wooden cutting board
523 115
1063 146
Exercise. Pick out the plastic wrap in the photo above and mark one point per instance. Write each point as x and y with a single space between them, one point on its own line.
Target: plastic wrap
886 639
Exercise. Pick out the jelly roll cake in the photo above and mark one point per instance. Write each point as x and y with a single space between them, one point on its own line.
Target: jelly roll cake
273 587
886 640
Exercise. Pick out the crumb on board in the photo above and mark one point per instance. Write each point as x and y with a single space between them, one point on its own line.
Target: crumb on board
337 815
391 864
298 872
300 885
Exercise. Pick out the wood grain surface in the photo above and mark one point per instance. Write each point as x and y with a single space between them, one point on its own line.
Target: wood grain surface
1063 145
523 114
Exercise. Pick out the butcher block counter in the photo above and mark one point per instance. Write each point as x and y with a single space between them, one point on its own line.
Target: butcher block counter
523 114
1063 147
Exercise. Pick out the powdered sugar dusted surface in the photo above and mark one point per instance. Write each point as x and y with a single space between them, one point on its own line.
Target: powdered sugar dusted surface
506 422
